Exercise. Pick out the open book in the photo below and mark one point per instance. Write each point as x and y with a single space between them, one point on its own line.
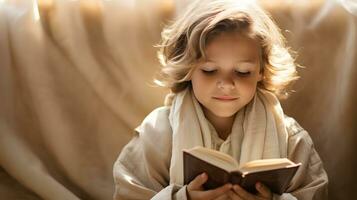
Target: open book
222 168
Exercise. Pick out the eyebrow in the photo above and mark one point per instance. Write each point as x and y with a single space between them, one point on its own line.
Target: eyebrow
239 61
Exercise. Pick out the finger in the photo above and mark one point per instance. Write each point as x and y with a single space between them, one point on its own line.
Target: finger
242 192
263 190
214 193
234 196
222 197
196 184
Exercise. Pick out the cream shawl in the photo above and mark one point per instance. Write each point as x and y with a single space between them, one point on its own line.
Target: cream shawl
258 130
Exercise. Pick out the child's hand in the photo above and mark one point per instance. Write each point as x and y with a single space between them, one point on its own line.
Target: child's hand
238 193
195 190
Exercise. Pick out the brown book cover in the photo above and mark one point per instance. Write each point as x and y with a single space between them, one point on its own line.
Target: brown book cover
276 179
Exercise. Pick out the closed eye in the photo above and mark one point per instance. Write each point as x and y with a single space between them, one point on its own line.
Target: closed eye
242 73
208 71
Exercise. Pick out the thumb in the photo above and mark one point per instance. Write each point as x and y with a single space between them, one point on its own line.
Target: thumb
196 184
263 190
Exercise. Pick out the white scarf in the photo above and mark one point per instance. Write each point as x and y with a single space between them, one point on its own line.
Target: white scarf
258 131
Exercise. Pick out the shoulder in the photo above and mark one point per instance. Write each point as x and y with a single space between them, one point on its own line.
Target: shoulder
296 132
148 154
156 122
158 113
300 143
301 149
292 126
151 137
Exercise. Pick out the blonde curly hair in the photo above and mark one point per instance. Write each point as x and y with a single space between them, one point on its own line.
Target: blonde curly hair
183 44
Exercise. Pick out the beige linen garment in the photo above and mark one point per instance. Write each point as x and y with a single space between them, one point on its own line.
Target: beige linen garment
150 166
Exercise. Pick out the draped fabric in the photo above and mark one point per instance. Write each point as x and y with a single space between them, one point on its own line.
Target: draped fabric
75 79
70 93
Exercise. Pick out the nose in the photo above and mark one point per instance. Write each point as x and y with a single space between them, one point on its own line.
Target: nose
226 83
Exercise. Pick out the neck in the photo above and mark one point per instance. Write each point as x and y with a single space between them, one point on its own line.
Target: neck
223 125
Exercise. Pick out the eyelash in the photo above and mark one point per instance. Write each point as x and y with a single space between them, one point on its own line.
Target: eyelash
238 73
208 71
242 73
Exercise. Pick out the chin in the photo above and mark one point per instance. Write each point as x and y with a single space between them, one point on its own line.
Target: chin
224 114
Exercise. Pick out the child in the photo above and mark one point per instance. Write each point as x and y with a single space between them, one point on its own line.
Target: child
226 63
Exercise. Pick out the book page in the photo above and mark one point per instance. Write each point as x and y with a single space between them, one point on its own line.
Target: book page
266 164
214 157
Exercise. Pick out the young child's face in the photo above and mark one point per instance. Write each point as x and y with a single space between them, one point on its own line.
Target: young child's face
226 81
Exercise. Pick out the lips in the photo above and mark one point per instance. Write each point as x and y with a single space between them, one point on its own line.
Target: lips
225 98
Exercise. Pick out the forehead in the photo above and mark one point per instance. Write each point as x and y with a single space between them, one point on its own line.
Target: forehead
232 44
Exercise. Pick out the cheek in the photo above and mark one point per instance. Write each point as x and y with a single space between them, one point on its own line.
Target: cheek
248 87
246 82
202 88
200 82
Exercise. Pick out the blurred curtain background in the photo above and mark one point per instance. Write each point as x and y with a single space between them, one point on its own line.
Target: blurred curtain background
76 78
